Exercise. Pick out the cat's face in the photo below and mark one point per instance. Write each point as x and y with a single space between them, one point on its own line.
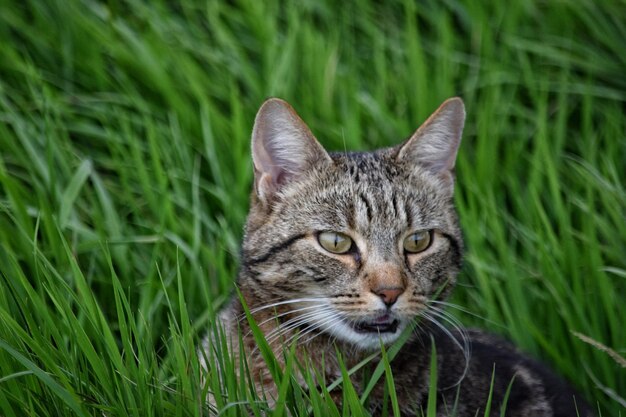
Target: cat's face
354 245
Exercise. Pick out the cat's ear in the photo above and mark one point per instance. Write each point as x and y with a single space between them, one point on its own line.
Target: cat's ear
435 144
283 148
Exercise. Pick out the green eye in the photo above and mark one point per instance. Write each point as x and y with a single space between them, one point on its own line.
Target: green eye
417 242
334 242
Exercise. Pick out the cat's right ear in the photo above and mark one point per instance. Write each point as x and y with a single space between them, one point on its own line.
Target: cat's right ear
435 144
283 148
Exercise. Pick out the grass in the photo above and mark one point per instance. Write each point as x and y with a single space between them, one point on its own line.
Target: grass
125 173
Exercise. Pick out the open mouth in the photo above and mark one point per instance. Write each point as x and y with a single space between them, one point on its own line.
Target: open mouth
383 324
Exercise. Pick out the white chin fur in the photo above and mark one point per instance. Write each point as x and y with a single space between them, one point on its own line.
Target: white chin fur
364 341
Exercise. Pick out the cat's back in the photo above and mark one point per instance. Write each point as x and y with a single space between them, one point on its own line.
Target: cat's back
474 365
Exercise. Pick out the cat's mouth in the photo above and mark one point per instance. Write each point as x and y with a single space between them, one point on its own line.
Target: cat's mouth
383 324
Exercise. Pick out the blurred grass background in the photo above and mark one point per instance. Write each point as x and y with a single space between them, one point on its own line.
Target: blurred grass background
125 173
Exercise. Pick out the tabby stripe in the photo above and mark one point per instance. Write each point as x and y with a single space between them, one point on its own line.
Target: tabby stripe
351 217
409 215
311 273
394 203
367 206
456 248
276 249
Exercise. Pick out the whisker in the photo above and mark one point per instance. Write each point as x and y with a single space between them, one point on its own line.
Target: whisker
464 348
279 303
448 317
465 311
325 317
332 320
296 335
293 323
280 331
453 321
445 331
309 318
286 313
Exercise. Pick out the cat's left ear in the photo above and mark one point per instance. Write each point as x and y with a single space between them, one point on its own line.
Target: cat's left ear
283 148
435 144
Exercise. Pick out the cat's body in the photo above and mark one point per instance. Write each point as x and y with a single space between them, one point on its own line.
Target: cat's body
345 251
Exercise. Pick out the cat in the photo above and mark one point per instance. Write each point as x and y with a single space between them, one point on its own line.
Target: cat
344 251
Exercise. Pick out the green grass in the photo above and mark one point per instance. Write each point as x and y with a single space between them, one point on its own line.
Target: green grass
125 173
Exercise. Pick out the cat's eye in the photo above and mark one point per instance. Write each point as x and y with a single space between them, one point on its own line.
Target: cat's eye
417 242
335 242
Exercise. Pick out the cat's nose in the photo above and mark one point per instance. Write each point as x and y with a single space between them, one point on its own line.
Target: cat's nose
389 295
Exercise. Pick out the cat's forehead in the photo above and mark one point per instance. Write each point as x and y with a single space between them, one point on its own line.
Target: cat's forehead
373 167
370 192
378 173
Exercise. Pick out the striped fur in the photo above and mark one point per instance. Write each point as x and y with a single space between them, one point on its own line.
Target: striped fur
299 292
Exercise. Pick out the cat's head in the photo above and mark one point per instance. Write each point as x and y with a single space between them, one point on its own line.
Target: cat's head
354 245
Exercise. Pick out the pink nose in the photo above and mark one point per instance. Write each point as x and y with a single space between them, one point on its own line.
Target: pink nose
389 295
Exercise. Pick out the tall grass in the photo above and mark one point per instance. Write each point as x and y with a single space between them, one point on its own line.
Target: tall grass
125 171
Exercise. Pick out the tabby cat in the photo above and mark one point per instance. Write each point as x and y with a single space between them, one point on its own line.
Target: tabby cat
343 251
